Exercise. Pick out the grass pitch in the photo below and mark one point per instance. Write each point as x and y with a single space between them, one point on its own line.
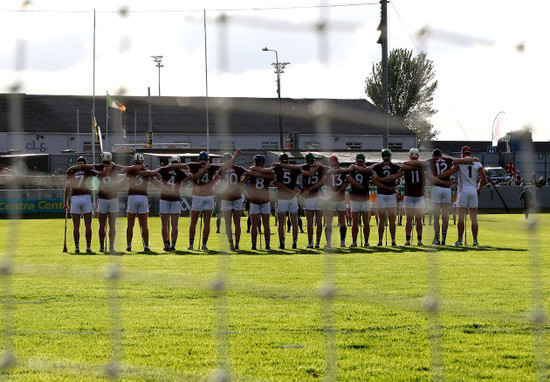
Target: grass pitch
61 320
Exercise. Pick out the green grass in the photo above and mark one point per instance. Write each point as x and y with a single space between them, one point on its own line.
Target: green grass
171 321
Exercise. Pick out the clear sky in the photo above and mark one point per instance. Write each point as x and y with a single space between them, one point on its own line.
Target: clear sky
489 56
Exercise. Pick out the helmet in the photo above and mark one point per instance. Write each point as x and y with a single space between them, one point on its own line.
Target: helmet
436 153
465 149
310 157
414 153
259 159
138 158
175 159
106 156
81 159
333 158
283 157
386 153
360 157
227 156
203 155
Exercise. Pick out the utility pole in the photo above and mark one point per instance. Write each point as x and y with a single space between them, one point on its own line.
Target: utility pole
158 60
383 41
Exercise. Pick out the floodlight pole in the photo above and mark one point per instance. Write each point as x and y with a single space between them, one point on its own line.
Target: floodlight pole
158 60
278 70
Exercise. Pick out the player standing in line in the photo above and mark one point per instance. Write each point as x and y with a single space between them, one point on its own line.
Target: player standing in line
441 195
335 201
107 201
313 201
468 190
231 195
203 199
386 202
359 178
260 206
172 177
287 198
81 202
138 203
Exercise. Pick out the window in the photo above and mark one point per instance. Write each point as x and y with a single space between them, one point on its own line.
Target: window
353 145
267 145
395 145
312 145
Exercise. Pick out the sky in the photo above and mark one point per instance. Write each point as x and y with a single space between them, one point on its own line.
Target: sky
489 56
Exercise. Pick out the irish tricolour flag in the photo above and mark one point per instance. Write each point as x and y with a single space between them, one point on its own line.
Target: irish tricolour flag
115 104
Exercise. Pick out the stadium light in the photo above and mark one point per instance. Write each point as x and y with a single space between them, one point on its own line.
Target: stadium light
158 60
279 68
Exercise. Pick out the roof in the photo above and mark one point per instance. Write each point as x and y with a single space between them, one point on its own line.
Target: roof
187 115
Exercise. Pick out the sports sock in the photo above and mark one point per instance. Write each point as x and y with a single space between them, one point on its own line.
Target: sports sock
101 245
343 230
408 238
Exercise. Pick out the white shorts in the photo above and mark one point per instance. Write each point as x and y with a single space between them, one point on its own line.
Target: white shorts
287 205
359 205
169 207
81 204
314 204
335 205
108 206
414 202
264 208
441 194
202 203
467 198
386 201
137 204
232 205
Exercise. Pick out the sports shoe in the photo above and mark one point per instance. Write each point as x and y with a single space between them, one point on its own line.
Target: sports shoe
342 244
393 243
166 249
407 244
231 247
317 246
353 245
146 249
129 248
267 248
436 241
366 245
77 251
294 246
419 244
327 246
173 248
309 246
236 247
101 249
379 243
88 250
282 246
458 243
204 248
190 248
443 242
253 248
475 243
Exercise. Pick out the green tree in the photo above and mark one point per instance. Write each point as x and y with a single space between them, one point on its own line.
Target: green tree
411 88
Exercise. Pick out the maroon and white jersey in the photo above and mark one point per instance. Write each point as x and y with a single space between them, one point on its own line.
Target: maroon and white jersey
172 177
108 182
208 175
384 169
414 182
309 181
231 189
77 180
334 183
258 189
363 178
137 184
288 178
438 165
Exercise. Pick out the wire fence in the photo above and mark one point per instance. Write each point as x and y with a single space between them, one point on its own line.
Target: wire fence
327 295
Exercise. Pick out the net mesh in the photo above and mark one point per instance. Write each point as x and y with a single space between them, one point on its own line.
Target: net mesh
327 294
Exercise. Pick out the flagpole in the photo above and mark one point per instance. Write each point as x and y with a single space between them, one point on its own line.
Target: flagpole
206 85
107 120
93 97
